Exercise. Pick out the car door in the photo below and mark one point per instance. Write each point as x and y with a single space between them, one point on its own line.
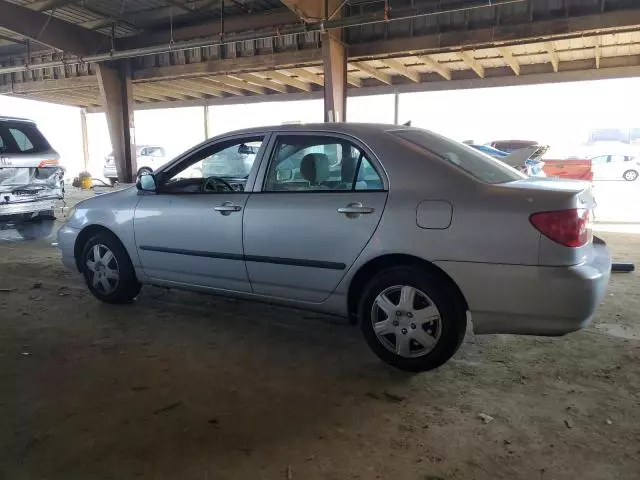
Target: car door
320 201
190 231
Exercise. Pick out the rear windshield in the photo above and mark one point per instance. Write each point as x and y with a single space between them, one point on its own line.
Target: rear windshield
21 137
481 166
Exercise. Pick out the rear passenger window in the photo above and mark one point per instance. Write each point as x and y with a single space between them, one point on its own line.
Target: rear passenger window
21 137
23 142
303 163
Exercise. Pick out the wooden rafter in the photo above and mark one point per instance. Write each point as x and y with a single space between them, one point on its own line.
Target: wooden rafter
287 80
400 68
239 83
260 81
472 63
307 76
437 67
553 55
372 71
510 60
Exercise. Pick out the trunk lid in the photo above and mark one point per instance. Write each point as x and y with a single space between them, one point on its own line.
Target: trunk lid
558 196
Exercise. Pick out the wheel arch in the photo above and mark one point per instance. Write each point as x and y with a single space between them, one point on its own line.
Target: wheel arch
376 265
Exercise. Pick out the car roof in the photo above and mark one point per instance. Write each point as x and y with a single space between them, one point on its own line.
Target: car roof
347 128
15 119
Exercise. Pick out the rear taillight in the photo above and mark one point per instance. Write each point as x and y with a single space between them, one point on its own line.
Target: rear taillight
571 228
48 163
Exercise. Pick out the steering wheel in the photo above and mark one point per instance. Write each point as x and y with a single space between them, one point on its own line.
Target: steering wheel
209 184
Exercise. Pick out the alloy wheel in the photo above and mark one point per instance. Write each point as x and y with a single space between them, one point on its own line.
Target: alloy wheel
406 321
103 265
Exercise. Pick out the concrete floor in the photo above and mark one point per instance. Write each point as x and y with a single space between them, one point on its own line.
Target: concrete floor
183 386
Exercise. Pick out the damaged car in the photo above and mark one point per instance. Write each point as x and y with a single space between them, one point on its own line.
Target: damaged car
31 177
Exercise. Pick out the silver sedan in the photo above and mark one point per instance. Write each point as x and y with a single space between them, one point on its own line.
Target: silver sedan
401 230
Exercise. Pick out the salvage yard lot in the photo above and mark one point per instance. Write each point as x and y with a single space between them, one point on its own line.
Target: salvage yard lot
180 385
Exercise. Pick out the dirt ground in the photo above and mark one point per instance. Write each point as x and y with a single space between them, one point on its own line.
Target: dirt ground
183 386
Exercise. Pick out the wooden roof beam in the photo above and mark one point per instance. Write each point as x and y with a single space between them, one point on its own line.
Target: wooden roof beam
239 83
597 52
223 87
434 65
202 86
400 68
307 76
167 92
553 55
510 60
472 63
373 72
287 80
260 81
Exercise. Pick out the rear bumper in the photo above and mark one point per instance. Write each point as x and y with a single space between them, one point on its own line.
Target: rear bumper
66 244
109 171
19 208
532 300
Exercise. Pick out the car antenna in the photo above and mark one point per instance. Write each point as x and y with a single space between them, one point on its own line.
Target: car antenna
408 124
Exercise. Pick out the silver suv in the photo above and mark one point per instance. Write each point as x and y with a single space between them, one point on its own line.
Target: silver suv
31 178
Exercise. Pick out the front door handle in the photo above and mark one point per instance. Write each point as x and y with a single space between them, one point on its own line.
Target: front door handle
227 208
354 210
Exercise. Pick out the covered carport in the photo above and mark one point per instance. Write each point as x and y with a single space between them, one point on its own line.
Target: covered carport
121 56
178 385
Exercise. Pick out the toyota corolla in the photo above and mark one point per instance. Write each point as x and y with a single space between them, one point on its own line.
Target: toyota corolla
403 231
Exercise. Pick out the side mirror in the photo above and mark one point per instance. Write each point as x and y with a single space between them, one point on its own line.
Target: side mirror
284 175
146 183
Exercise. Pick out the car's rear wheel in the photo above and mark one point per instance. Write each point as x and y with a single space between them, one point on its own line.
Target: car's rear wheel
630 175
107 269
410 319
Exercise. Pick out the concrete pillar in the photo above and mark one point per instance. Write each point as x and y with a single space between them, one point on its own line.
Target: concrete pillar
206 122
116 89
335 78
396 107
85 139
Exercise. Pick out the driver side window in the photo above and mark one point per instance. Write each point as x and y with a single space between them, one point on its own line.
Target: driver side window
221 168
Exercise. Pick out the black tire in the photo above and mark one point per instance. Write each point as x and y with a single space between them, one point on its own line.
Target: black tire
127 287
113 181
453 321
630 175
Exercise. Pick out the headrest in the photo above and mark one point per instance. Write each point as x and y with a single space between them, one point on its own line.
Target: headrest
315 168
348 169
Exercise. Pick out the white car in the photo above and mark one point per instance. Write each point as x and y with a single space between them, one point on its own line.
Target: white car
615 167
31 177
148 159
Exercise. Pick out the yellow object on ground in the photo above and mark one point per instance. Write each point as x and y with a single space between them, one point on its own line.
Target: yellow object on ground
86 183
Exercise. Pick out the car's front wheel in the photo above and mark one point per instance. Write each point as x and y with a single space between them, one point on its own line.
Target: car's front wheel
107 269
410 320
630 175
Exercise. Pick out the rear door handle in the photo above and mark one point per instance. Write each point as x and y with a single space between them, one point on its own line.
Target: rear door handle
227 208
355 209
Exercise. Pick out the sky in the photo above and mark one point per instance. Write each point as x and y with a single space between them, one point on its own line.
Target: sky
559 115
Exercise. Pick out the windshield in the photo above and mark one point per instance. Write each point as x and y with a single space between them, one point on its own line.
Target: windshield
481 166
